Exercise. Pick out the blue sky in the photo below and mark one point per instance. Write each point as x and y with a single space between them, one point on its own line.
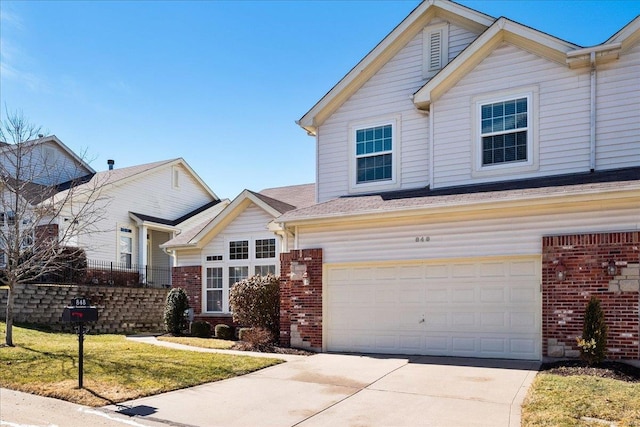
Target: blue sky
218 83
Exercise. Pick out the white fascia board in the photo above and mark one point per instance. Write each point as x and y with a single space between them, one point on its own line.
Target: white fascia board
628 35
501 30
372 59
196 176
152 225
231 209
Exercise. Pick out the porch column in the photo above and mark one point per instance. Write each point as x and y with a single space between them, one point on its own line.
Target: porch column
142 252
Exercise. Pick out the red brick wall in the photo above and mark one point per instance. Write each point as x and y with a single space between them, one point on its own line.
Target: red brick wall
585 258
300 304
190 279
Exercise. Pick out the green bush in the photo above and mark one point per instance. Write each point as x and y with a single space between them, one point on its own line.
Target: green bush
255 302
175 320
201 329
224 332
593 343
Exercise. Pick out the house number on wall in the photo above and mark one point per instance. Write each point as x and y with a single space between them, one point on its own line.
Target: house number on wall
421 239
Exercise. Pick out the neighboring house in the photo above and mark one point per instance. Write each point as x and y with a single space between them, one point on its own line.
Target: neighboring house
136 208
43 161
146 205
232 245
477 181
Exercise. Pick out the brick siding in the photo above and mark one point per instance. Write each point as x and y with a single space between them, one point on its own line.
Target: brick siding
585 258
190 279
300 304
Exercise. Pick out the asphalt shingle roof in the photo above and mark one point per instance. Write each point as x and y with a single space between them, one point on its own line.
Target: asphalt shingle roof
424 198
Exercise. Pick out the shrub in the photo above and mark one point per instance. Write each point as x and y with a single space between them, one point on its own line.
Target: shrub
175 320
255 302
224 332
259 339
201 329
593 343
242 332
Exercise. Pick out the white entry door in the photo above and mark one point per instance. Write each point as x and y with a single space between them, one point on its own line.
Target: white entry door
484 308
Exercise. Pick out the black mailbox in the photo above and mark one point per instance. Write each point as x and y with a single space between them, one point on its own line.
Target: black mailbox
80 314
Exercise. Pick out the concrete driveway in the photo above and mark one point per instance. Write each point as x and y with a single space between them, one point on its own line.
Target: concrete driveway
350 390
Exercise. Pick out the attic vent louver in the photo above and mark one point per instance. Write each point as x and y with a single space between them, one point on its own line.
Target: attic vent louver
435 50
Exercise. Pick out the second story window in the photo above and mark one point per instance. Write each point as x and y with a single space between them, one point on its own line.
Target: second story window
374 154
504 129
505 132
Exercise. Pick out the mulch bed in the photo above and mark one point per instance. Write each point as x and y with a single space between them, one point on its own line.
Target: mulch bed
613 370
245 346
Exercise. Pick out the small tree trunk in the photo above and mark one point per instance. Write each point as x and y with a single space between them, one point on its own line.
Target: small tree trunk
9 335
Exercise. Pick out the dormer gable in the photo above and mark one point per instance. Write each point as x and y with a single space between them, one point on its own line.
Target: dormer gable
431 12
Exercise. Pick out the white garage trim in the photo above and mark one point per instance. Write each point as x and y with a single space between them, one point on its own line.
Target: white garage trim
470 307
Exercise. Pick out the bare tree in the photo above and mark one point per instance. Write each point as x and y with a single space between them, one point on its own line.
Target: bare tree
47 201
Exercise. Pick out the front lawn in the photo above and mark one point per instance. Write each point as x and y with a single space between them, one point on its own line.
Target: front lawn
200 342
587 398
115 369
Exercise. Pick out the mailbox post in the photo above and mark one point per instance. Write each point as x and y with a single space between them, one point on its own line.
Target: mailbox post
79 312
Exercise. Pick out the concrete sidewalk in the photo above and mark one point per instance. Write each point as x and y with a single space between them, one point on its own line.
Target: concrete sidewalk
350 390
153 340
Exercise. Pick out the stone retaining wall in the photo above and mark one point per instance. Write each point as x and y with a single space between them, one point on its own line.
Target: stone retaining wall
120 310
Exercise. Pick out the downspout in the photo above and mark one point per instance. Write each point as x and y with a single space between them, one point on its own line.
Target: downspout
431 145
295 238
592 118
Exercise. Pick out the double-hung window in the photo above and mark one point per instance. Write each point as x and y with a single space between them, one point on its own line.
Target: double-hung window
505 128
374 147
214 289
506 133
126 246
374 154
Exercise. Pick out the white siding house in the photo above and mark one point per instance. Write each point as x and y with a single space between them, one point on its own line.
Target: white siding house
446 157
231 245
143 207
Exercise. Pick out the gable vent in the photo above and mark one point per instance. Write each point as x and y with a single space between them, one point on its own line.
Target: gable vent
435 50
435 45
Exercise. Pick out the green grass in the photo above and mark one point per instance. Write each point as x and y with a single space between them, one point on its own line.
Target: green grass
555 400
115 369
200 342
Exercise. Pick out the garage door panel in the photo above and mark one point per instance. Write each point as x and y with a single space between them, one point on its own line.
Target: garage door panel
524 295
439 271
437 295
493 269
464 294
481 309
523 268
463 270
493 294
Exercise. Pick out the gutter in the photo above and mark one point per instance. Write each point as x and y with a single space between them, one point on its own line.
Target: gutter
608 52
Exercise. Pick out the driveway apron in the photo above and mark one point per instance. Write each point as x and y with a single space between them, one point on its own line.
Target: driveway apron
352 390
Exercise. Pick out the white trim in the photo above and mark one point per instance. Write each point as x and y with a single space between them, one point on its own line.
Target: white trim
396 144
511 168
251 262
427 33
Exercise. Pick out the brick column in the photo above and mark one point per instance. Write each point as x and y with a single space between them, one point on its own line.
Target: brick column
585 258
190 279
301 299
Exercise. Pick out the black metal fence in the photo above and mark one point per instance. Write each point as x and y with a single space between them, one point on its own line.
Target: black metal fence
120 274
105 273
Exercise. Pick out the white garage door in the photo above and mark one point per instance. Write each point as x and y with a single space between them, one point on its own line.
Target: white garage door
473 309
